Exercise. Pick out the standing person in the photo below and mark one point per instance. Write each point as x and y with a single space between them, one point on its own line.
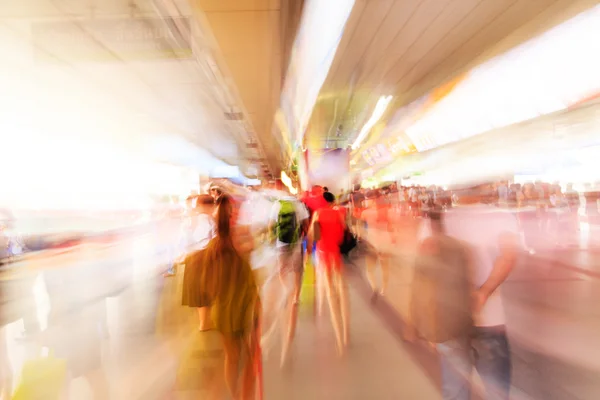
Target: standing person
314 203
492 235
440 305
378 243
289 219
331 226
413 195
572 216
358 206
228 284
424 202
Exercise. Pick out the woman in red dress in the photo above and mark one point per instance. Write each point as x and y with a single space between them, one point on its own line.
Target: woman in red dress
331 226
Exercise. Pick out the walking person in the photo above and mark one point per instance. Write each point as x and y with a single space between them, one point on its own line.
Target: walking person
492 236
289 219
224 280
331 227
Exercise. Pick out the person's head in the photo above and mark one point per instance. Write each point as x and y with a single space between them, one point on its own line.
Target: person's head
205 204
325 189
215 192
329 198
316 190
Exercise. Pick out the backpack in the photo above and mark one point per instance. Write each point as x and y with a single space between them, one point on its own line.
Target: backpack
287 223
440 303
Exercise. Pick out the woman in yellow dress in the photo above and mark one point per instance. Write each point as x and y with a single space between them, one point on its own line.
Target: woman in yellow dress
225 279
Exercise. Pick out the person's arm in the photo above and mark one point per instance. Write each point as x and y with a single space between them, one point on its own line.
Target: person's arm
508 244
311 231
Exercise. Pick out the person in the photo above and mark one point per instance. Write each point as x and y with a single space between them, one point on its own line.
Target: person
289 219
379 240
77 311
571 232
331 227
357 200
215 191
492 236
229 285
440 306
315 201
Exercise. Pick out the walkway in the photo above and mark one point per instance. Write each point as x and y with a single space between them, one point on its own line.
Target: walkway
148 340
553 320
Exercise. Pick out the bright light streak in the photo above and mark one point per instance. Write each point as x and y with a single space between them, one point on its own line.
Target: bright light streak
380 108
544 75
288 183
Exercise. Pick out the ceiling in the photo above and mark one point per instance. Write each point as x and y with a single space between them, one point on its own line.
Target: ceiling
219 96
255 39
406 48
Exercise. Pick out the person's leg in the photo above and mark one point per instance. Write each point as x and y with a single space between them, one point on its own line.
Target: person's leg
28 305
291 304
321 282
333 299
231 346
492 361
371 264
456 368
248 372
290 331
298 268
344 300
204 318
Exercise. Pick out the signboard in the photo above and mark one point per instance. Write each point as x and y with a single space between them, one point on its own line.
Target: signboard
112 39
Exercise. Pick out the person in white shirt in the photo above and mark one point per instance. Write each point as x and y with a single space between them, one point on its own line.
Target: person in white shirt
288 243
492 235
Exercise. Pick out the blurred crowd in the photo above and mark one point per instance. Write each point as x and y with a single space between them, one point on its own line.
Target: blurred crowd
240 262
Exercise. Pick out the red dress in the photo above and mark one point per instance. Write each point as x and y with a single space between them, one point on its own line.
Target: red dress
331 234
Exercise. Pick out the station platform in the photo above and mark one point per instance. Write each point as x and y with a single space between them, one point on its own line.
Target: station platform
553 327
550 300
142 351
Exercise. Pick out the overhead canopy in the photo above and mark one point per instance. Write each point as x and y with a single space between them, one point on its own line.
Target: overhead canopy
406 49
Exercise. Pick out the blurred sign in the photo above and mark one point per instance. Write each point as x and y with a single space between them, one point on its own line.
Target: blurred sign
113 39
387 151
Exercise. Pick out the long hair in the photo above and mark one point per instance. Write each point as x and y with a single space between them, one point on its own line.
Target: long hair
224 260
224 219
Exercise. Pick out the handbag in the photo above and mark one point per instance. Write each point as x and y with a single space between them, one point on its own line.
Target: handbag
349 242
42 378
